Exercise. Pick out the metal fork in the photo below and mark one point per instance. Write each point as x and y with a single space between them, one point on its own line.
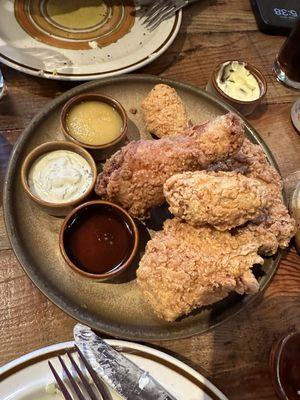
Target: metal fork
161 10
105 395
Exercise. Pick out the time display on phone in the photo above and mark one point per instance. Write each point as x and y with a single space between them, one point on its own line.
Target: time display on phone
276 17
283 12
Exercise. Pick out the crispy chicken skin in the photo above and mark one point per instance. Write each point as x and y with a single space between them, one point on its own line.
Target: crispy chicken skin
134 176
184 267
276 223
223 200
164 112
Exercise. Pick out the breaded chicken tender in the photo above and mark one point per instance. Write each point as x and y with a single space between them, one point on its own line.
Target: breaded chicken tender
276 222
164 112
223 200
134 176
185 267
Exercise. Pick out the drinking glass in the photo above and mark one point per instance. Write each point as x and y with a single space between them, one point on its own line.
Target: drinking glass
287 63
2 85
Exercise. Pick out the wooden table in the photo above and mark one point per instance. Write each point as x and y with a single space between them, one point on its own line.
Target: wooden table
235 354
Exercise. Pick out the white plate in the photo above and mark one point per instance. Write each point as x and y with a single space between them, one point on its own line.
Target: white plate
27 377
38 39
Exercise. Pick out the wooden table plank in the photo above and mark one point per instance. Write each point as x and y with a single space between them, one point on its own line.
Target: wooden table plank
219 16
28 320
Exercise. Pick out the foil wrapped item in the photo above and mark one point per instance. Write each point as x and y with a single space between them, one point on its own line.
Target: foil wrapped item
121 374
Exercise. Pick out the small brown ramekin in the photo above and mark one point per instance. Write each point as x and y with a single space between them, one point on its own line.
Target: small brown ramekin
57 209
99 151
244 107
108 275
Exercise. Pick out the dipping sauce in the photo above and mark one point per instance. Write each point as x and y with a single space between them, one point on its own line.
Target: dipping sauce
98 239
235 80
94 123
60 176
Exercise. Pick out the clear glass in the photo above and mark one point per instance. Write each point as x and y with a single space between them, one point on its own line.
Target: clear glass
287 63
2 85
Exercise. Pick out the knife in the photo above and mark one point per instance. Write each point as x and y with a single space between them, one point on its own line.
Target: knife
121 374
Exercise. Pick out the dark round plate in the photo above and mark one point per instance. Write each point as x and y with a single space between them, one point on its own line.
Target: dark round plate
114 308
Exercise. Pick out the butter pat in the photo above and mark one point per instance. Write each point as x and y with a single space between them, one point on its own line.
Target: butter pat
235 80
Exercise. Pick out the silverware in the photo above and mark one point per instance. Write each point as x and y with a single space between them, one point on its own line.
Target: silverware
77 387
116 370
161 10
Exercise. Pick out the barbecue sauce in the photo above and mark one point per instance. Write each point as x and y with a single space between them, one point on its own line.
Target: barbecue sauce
98 239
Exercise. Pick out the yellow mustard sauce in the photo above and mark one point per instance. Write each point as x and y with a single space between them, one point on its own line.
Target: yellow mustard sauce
238 82
94 123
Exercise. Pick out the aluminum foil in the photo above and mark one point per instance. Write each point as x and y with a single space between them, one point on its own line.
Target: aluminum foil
117 371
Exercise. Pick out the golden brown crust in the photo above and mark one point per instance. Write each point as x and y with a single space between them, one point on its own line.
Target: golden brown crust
276 223
164 112
135 175
223 200
185 267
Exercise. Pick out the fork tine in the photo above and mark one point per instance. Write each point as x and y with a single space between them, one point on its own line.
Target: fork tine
99 384
157 21
154 18
71 379
60 383
83 378
154 14
151 16
165 16
156 5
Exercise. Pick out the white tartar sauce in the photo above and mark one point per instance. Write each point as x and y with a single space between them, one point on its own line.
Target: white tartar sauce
60 176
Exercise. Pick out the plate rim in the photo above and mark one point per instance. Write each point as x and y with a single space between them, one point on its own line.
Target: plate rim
106 74
71 310
28 359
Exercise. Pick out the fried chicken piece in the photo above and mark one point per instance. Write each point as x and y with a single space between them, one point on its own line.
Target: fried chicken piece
164 112
185 267
276 223
134 176
223 200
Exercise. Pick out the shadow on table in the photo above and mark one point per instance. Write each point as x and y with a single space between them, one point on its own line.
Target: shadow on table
259 111
176 52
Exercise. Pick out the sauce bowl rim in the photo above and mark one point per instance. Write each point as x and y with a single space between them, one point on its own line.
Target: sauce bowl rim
254 71
104 99
124 265
37 152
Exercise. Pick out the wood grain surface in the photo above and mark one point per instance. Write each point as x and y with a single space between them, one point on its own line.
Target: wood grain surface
235 354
